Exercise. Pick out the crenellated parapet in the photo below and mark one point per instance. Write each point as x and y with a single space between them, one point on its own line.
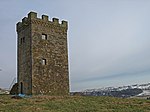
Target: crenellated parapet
44 20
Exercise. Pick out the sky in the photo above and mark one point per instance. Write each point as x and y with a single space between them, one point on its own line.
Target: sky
108 40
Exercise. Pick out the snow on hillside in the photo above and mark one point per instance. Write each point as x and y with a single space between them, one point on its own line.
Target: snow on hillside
144 93
2 91
136 86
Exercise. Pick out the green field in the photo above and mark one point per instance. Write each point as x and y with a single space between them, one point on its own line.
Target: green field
72 104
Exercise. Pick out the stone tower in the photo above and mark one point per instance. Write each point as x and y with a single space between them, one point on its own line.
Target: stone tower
42 56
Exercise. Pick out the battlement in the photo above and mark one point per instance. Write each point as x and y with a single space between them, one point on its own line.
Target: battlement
32 16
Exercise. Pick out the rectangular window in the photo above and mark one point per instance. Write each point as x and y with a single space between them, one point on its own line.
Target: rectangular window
23 39
44 36
43 61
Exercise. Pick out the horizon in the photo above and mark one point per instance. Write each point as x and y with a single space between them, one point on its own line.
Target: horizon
108 41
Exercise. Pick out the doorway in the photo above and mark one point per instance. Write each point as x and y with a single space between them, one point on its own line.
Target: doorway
21 87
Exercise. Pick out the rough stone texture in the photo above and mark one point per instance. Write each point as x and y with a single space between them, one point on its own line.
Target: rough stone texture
14 89
34 77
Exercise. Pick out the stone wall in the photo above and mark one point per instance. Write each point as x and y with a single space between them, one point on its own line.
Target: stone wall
14 89
24 56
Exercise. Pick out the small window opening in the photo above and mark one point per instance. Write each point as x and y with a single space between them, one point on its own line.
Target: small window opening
23 40
43 61
44 36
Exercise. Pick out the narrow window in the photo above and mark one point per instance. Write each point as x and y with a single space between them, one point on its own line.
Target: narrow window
23 40
44 36
43 61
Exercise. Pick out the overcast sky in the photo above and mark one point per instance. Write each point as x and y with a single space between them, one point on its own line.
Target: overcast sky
108 40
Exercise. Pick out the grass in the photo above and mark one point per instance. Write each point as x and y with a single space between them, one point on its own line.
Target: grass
73 104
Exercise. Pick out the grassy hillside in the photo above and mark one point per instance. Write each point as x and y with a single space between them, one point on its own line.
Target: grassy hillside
72 104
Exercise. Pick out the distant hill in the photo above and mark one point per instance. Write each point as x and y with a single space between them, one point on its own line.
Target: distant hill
142 90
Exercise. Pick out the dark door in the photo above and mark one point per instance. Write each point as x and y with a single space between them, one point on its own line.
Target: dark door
21 88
